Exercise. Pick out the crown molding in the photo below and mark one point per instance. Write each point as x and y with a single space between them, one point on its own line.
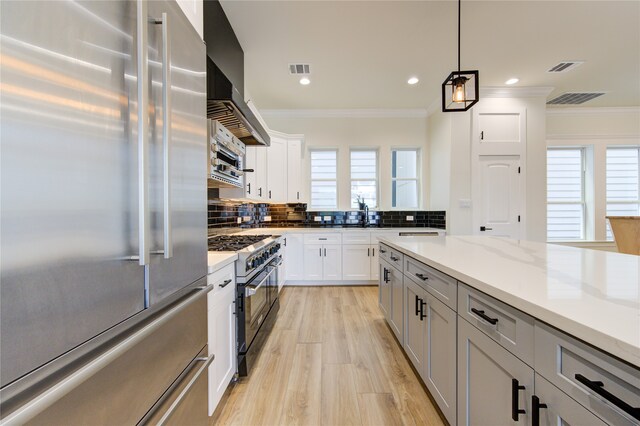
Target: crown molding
515 92
345 113
593 110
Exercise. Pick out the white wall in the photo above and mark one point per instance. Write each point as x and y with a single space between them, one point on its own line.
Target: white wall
343 133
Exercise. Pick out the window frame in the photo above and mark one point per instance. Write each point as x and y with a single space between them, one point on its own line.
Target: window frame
608 232
583 195
335 181
418 179
377 179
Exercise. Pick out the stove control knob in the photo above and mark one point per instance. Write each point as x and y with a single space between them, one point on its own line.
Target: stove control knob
278 246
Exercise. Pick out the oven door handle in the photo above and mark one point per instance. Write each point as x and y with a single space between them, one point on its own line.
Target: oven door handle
250 290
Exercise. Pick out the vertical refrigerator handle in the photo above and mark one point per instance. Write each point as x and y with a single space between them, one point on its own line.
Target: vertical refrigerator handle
142 69
166 134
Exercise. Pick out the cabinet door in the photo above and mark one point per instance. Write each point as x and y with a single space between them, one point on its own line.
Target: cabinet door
277 170
384 290
414 323
313 262
222 343
294 251
332 262
486 373
560 408
294 171
260 172
375 269
439 373
251 178
397 299
356 261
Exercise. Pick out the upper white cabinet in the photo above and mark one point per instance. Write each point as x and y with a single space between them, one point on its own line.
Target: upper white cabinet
294 170
276 189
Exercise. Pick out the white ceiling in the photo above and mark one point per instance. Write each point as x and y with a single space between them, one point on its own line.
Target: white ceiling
362 52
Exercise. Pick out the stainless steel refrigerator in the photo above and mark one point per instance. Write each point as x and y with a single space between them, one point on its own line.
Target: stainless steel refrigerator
103 214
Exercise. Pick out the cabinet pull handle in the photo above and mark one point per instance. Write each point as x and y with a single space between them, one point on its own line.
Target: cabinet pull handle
382 251
259 192
395 259
373 252
417 305
536 405
297 195
249 188
269 194
422 277
325 252
423 315
368 252
481 314
516 387
285 242
225 283
320 250
598 387
385 275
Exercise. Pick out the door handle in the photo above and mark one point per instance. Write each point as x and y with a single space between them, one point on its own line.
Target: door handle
166 133
484 228
422 306
142 69
536 405
516 387
417 305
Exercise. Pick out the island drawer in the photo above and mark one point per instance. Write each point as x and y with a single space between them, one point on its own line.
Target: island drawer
511 328
356 237
328 238
435 282
608 387
393 256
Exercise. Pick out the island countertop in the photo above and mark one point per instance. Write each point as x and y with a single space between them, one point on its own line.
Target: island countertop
592 295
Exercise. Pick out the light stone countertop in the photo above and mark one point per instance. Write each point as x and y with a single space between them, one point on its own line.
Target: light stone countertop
590 294
218 259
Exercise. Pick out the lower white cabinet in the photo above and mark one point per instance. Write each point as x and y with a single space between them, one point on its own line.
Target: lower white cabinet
322 262
414 326
359 262
294 256
494 386
221 334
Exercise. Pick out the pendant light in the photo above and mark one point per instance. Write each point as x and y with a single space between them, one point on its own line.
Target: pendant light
460 91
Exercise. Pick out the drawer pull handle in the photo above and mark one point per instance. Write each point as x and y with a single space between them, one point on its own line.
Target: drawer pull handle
225 283
536 405
422 277
395 259
598 388
516 387
322 239
382 251
487 318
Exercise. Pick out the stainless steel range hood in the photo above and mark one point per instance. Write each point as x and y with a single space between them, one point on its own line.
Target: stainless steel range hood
226 105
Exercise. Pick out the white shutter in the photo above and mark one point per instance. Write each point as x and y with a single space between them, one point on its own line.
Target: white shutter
364 177
623 183
565 194
324 174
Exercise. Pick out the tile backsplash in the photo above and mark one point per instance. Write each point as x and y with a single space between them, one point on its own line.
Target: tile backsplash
231 214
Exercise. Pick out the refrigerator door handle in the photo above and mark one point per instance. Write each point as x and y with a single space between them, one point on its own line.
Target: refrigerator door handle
142 69
158 416
166 133
62 388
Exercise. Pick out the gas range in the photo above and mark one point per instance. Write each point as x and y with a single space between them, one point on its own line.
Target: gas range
253 251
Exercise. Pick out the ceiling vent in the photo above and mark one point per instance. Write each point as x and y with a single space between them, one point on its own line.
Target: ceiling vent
574 98
295 69
565 66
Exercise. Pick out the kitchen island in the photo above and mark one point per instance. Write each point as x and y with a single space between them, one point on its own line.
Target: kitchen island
532 322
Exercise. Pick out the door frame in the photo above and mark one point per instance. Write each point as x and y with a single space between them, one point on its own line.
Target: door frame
478 150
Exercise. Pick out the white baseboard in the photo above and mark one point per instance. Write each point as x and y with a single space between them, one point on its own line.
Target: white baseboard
300 283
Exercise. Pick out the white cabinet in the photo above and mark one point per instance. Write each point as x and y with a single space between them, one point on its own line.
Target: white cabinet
250 178
276 190
375 269
396 317
322 262
384 290
294 256
313 262
221 333
332 263
294 171
414 326
356 260
494 387
260 172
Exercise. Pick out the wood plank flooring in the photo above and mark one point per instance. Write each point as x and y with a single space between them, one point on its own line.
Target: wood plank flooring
330 360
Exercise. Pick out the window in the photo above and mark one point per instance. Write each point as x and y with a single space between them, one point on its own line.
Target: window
565 194
364 177
623 183
404 178
324 178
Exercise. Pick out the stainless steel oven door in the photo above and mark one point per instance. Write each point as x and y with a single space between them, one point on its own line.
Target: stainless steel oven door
256 303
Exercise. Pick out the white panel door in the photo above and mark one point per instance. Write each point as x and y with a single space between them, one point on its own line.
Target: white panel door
375 270
294 256
251 178
313 259
356 262
260 172
294 171
415 301
277 170
498 198
332 263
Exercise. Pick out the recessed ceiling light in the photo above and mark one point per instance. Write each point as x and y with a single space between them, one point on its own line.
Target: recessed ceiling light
413 80
304 81
512 81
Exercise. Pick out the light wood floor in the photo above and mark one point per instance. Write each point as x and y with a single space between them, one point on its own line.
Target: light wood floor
330 360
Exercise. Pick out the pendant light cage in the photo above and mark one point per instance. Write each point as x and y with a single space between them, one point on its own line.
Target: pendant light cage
458 83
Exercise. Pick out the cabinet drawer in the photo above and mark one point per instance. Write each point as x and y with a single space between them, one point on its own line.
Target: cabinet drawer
328 238
440 285
393 256
218 279
361 237
512 329
573 367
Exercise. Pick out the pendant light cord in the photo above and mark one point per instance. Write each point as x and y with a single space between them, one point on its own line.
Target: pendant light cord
459 1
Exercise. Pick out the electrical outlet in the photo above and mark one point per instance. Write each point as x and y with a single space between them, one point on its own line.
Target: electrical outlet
317 218
327 218
409 218
267 218
239 220
246 218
